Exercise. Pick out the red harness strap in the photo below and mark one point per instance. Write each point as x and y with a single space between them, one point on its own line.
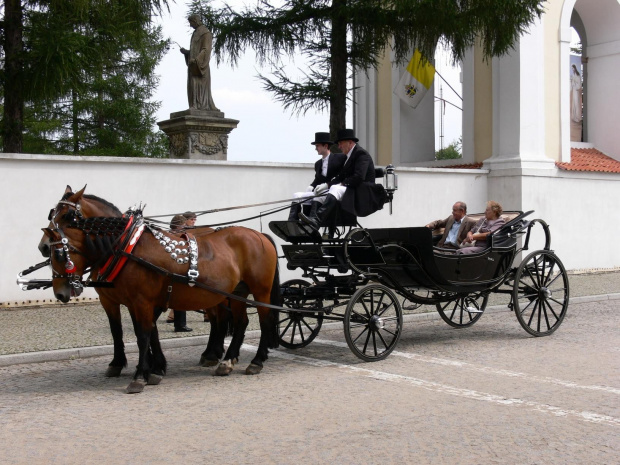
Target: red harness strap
118 264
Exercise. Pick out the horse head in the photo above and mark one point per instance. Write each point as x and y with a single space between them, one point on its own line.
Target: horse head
86 206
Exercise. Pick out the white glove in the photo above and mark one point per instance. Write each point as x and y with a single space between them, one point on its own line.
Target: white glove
321 188
309 189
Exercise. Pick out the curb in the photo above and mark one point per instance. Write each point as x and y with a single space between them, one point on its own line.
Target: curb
132 347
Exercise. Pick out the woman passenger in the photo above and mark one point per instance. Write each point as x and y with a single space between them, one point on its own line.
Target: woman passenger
491 222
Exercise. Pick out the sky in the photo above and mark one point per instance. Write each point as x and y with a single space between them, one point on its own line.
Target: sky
266 131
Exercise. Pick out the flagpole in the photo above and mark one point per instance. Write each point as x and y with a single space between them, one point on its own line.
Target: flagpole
448 84
448 102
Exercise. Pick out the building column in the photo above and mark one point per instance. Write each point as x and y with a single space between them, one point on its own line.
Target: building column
519 122
519 106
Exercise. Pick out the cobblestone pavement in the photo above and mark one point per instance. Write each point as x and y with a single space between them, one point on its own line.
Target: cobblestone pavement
489 394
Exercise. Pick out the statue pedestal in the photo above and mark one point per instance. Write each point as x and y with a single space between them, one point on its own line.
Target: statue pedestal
198 134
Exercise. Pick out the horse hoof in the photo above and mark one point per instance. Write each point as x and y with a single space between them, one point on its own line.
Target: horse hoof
224 368
253 369
113 372
154 379
135 387
205 362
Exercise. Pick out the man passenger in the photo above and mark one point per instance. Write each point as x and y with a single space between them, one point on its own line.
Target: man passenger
456 227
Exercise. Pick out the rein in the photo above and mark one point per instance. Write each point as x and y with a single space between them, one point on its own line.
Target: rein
296 201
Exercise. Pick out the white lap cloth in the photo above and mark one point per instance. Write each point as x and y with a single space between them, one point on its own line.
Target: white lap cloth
309 195
337 191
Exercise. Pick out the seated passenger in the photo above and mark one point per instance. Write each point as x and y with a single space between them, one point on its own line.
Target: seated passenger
455 227
477 238
354 186
325 169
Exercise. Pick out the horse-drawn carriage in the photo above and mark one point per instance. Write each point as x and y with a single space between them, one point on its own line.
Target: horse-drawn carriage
361 277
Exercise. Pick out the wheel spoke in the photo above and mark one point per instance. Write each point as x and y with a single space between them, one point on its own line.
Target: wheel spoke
288 326
551 309
367 340
358 336
293 336
553 280
363 317
550 274
561 304
544 308
379 303
307 325
374 342
526 307
385 344
389 332
385 309
529 272
368 314
301 332
529 323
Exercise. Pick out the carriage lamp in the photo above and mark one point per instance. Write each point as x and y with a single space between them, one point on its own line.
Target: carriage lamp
391 183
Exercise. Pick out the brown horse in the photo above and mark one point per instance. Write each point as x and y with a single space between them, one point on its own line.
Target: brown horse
92 206
231 259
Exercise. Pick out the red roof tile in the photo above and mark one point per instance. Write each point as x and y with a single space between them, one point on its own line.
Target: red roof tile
590 160
468 166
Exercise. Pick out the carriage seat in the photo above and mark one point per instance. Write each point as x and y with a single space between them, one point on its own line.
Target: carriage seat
508 217
343 218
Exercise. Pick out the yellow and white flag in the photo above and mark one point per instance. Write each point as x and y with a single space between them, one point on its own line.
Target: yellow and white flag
416 80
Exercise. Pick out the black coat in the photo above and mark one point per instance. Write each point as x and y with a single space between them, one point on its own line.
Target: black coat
363 196
334 165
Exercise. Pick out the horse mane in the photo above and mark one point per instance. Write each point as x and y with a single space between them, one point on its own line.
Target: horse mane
110 205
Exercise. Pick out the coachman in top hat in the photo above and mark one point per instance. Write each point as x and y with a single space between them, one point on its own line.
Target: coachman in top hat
354 186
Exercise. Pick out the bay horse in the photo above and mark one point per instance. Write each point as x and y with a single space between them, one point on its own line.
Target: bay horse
230 259
92 206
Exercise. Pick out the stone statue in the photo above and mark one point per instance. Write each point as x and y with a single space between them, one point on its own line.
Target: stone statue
197 60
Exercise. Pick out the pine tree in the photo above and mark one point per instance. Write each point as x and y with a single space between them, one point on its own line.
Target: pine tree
82 76
337 36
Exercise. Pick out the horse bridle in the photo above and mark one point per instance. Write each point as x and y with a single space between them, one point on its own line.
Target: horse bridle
61 248
56 210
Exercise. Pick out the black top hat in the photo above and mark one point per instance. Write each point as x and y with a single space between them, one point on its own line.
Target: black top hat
321 138
346 134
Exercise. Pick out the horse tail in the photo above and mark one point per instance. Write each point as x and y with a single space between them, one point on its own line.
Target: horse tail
275 299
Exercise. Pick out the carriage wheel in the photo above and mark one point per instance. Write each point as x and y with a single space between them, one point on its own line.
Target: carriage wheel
297 329
540 294
463 311
373 322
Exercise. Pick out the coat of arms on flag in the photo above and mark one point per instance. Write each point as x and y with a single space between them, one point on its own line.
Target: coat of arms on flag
416 80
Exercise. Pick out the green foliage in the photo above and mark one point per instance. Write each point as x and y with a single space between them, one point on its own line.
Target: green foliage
90 66
337 36
450 152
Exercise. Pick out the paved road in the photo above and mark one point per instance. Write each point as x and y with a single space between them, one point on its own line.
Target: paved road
483 395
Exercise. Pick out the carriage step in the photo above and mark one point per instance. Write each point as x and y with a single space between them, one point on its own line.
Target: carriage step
473 310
